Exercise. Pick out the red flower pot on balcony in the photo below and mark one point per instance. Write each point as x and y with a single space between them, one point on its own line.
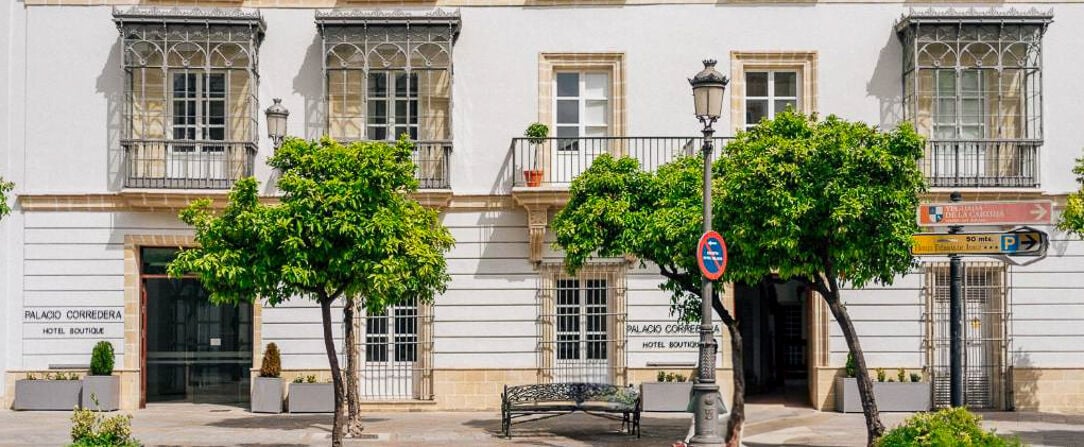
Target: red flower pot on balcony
533 177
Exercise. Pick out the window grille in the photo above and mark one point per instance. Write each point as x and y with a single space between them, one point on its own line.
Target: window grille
190 107
582 325
388 74
973 85
397 349
985 333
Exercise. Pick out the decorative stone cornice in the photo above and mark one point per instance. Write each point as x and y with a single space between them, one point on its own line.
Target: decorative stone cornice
538 201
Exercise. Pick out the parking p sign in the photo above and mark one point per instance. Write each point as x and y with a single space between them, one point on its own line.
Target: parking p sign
711 255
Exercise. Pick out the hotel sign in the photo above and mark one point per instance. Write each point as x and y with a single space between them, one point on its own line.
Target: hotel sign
72 321
1032 212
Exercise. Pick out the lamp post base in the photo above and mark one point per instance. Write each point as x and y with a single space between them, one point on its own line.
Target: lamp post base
708 429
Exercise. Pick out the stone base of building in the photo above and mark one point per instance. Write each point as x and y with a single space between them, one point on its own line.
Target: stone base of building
1055 390
453 389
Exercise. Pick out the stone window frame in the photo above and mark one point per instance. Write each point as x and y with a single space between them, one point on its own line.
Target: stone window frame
549 63
802 62
615 273
132 372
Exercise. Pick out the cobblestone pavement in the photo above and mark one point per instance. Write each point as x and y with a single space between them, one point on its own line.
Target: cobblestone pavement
768 425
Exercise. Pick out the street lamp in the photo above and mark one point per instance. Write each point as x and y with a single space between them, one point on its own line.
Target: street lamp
276 122
708 88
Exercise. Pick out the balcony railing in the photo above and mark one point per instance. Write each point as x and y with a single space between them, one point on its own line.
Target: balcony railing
557 161
982 163
186 164
431 159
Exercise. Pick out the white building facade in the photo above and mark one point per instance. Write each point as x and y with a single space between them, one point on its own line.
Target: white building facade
115 115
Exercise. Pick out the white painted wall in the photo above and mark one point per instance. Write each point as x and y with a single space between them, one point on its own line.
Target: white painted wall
60 90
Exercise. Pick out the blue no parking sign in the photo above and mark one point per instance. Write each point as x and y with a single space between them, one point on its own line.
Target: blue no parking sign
711 255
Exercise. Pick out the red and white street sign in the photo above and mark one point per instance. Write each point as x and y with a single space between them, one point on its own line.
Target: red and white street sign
1032 212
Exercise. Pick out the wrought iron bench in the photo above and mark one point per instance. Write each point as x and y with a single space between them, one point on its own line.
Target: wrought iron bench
555 399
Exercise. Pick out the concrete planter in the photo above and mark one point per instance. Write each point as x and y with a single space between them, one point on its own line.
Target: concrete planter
47 394
106 389
672 397
267 395
890 396
311 398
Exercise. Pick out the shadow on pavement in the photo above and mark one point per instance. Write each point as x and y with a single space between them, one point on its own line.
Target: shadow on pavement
278 422
588 429
1051 438
759 444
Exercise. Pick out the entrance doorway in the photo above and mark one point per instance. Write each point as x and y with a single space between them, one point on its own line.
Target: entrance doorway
772 318
193 351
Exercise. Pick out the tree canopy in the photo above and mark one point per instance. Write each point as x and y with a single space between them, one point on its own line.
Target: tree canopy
1072 217
615 208
345 227
805 198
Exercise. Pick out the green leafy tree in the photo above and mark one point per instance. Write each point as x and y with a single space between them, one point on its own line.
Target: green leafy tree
615 208
345 227
5 188
1072 217
829 203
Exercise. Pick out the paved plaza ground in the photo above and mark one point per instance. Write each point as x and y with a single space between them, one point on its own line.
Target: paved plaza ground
770 424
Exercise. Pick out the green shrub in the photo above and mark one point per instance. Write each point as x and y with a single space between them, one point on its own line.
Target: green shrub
536 132
91 429
950 427
661 376
880 374
272 363
916 377
852 365
101 359
901 375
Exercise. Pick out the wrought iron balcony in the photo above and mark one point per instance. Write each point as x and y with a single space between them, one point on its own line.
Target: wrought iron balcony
186 164
982 163
431 159
190 164
555 162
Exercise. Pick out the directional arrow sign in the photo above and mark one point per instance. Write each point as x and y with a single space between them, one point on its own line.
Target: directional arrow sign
1026 242
1032 212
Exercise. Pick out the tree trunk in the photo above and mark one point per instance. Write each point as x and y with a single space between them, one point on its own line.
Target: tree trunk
337 424
874 428
354 426
737 407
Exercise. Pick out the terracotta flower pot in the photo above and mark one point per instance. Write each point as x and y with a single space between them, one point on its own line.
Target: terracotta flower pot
533 177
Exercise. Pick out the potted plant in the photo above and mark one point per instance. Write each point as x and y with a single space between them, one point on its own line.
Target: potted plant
58 391
308 396
101 389
536 134
889 394
267 388
669 393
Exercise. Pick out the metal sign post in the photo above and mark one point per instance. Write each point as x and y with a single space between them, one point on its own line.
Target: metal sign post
1022 241
956 322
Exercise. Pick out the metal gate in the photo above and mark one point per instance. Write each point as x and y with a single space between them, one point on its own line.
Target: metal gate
581 326
397 351
985 333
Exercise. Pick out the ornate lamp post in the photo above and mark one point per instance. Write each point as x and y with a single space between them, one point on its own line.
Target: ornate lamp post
276 122
708 88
